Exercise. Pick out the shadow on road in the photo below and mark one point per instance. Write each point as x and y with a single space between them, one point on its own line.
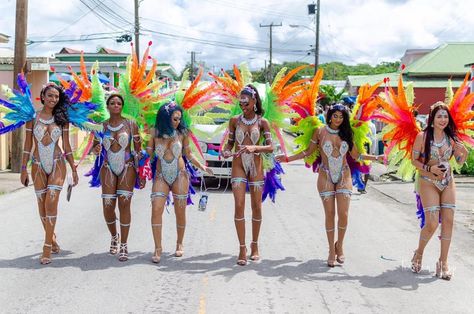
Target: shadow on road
218 264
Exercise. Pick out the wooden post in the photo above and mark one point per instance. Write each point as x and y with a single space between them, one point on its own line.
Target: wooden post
21 23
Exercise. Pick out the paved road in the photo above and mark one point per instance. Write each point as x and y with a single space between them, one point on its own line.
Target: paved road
291 278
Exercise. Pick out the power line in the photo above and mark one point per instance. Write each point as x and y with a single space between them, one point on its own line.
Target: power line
202 31
252 7
64 28
111 12
70 40
103 19
221 44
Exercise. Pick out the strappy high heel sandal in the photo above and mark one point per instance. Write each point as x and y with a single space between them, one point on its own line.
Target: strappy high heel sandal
156 258
114 242
442 271
123 252
416 262
242 262
254 257
331 260
55 246
45 260
179 250
340 258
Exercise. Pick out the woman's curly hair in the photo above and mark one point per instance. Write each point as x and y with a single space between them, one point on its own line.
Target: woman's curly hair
60 114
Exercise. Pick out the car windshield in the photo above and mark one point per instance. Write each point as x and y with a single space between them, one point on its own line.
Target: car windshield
215 115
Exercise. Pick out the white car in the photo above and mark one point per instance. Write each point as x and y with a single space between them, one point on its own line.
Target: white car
210 147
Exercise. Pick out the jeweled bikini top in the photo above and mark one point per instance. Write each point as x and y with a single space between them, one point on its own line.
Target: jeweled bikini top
42 128
122 139
253 135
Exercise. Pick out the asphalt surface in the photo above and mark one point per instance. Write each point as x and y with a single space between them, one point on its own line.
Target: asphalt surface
292 276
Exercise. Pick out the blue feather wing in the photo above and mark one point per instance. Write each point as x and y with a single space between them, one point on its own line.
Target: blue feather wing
79 112
21 106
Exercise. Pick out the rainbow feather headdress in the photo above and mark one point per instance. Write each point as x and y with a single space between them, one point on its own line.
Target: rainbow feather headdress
138 88
401 130
460 107
304 104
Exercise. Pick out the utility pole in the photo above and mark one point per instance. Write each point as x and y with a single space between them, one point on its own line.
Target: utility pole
315 9
193 60
316 51
137 29
265 74
270 74
19 61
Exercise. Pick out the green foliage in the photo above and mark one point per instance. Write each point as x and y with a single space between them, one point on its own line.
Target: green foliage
468 167
330 95
340 71
332 70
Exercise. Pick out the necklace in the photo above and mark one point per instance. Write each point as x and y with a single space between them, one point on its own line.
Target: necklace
440 144
47 122
332 131
170 135
248 122
115 128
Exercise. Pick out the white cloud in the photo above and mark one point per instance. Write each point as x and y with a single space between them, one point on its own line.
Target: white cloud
351 31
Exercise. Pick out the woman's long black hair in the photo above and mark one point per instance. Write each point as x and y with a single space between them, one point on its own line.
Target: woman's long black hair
345 130
251 91
163 125
61 117
449 130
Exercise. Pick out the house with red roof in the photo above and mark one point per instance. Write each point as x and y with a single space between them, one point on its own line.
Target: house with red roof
428 70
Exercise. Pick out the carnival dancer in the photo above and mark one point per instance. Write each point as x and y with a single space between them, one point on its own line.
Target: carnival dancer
117 166
245 132
118 172
434 152
171 145
253 122
44 129
338 145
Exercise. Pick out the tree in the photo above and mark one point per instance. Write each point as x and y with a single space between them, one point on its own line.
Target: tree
332 70
330 95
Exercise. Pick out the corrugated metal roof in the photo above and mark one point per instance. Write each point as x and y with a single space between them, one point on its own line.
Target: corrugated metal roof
447 59
420 82
359 80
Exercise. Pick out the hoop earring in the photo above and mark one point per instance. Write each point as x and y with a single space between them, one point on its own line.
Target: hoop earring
255 107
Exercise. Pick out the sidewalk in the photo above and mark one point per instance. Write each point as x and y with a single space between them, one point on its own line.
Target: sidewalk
10 182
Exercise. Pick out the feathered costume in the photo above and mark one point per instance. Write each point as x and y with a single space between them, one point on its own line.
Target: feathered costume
307 122
275 103
193 99
402 129
138 90
86 93
363 111
19 108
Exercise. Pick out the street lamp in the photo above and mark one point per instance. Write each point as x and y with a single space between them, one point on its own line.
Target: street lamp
313 9
316 40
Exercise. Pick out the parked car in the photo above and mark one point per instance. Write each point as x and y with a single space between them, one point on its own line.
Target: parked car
210 148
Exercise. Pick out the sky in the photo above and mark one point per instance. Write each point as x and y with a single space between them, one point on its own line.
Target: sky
226 32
